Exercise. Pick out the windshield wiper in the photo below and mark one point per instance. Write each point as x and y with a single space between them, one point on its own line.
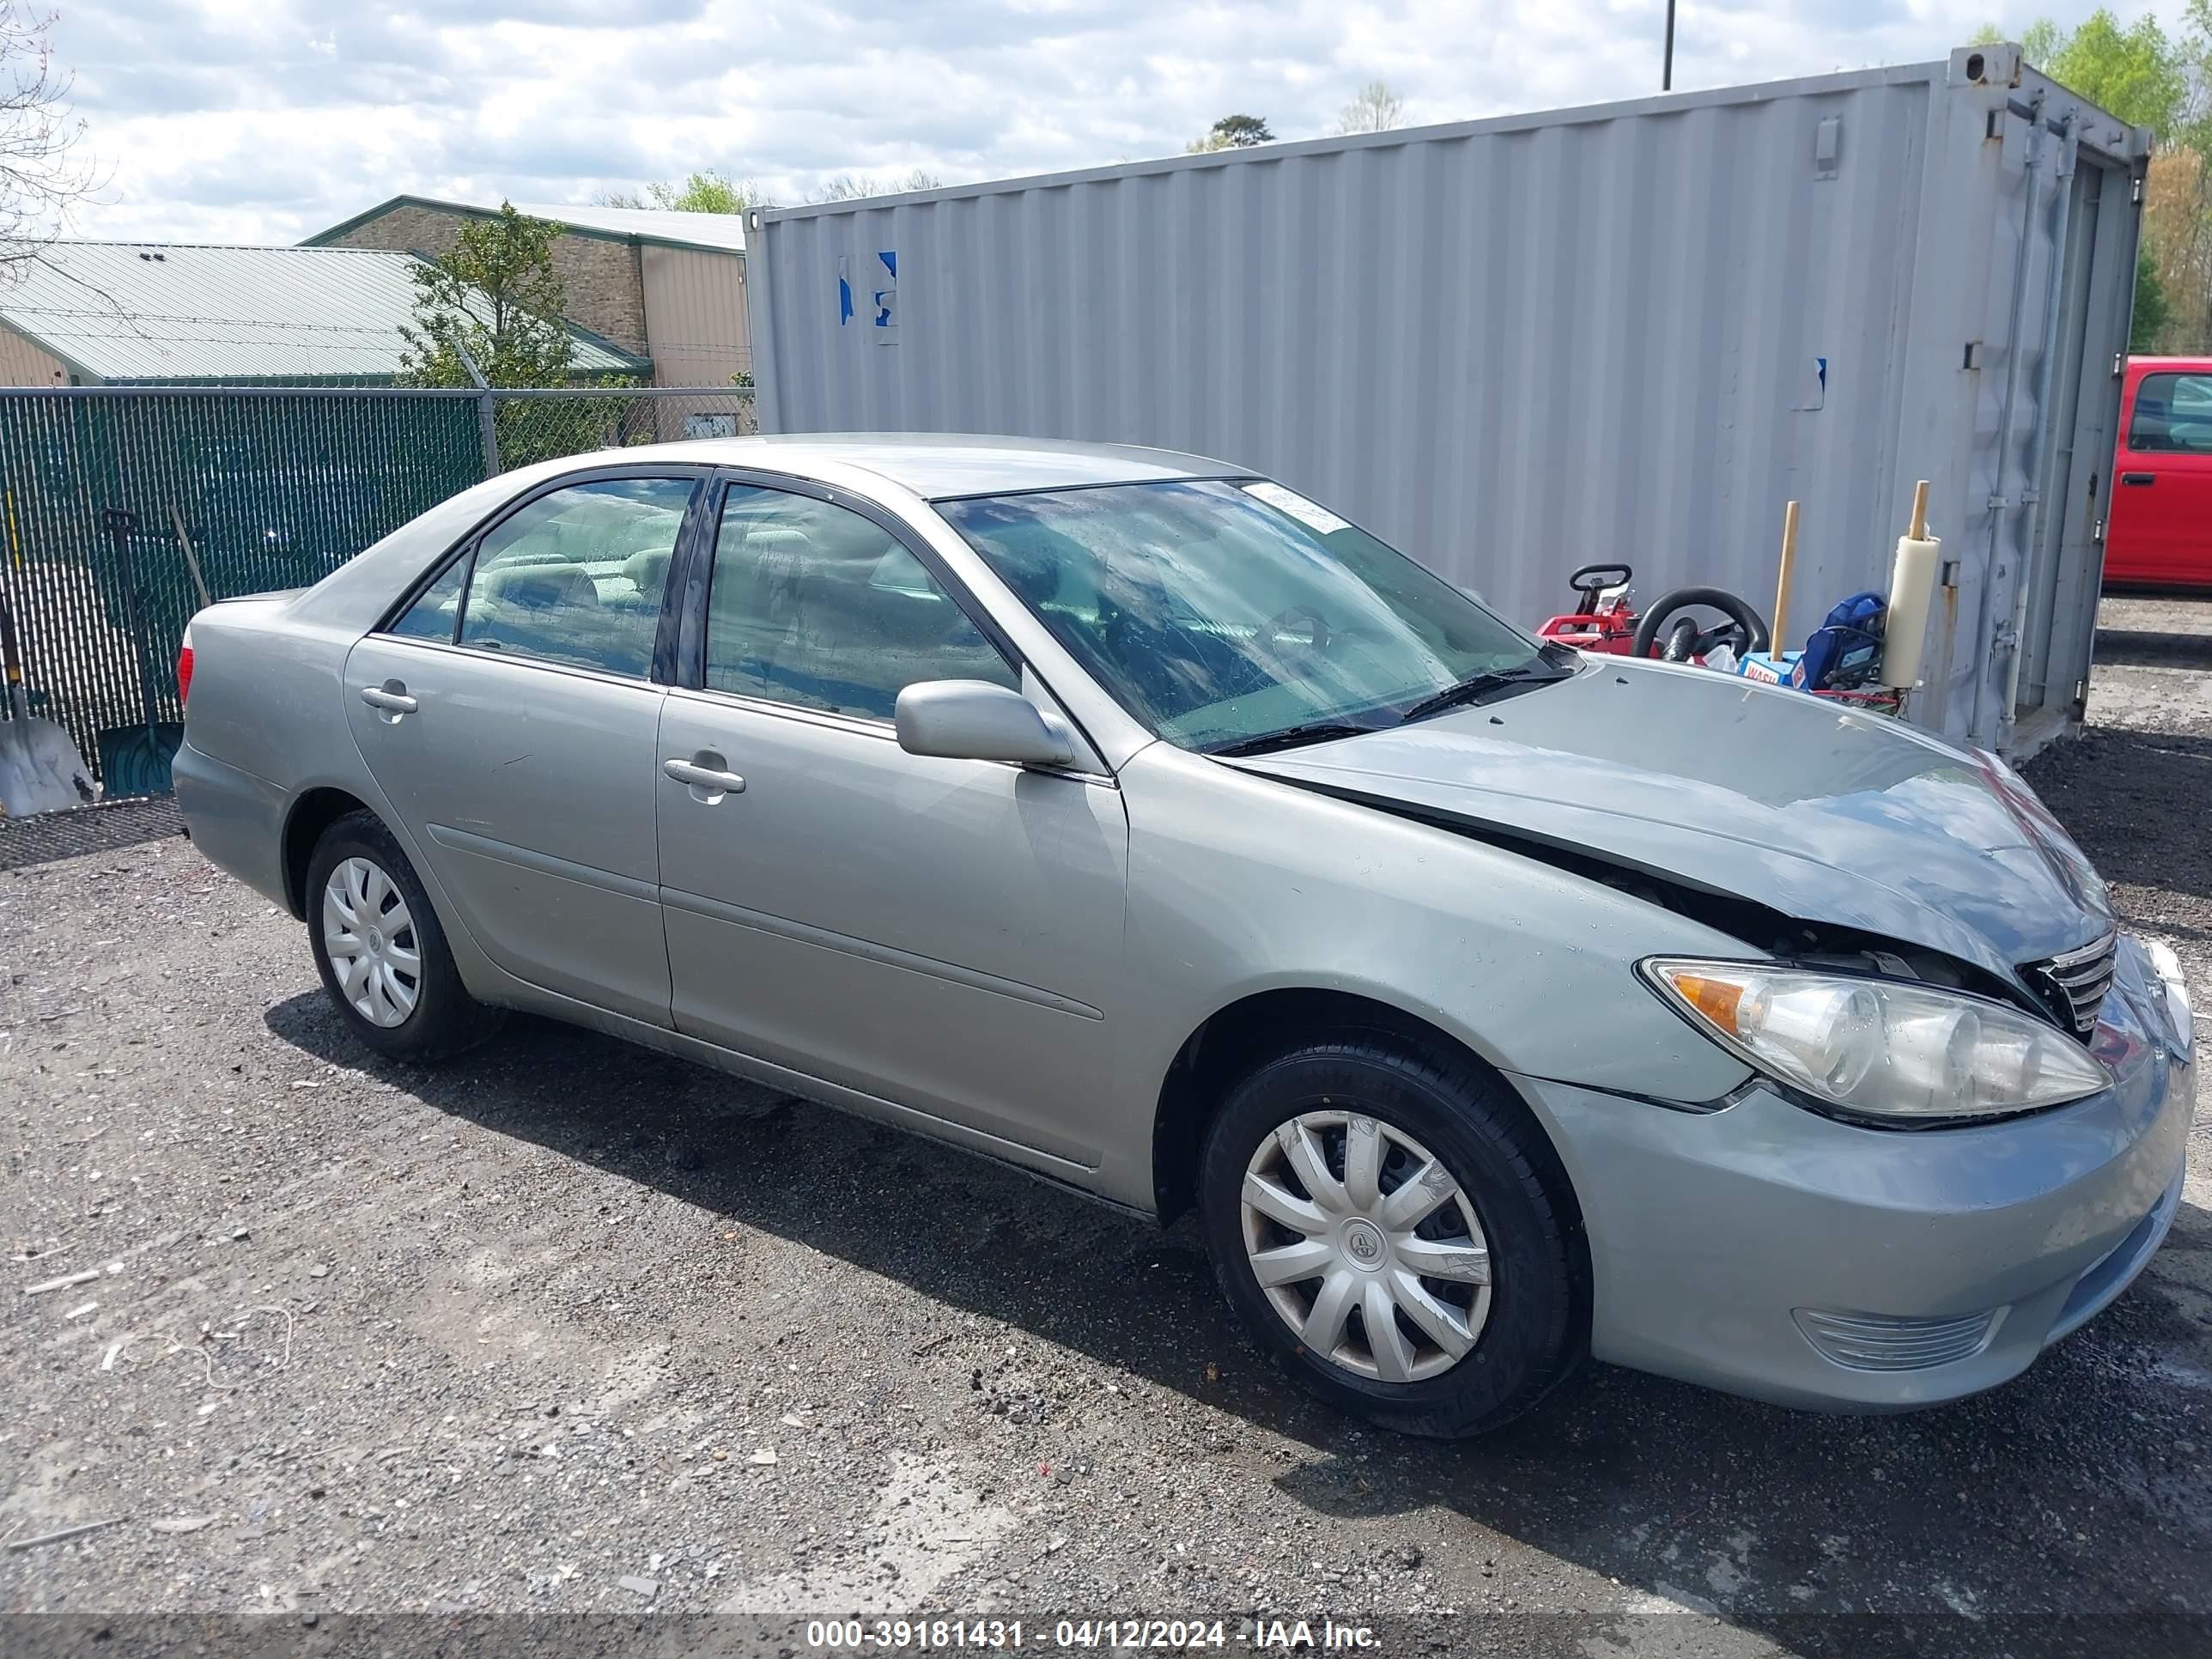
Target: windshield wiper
1478 687
1291 737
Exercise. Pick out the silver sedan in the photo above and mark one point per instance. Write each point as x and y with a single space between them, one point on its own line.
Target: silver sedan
1137 821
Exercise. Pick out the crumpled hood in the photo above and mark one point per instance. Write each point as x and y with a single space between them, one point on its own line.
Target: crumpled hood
1821 812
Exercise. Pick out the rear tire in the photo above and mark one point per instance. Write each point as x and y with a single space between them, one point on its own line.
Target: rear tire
380 951
1436 1203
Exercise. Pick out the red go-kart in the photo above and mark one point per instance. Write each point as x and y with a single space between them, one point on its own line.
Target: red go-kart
1604 620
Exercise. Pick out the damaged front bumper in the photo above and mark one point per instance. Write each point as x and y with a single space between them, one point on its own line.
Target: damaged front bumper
1772 1252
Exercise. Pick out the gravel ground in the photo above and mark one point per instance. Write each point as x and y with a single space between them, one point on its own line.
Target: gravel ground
571 1328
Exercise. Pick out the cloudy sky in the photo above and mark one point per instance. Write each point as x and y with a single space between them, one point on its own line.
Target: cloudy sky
264 120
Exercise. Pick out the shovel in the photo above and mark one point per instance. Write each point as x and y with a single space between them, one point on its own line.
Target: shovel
40 770
137 760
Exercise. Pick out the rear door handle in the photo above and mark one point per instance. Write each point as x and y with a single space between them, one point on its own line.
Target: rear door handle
390 701
2138 479
708 783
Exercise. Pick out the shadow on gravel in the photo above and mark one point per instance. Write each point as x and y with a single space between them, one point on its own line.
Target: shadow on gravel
2138 800
2077 1489
2150 648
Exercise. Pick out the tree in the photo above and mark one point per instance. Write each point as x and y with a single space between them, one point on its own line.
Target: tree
2151 310
496 296
2135 71
41 178
1376 109
2162 82
709 191
1232 132
854 186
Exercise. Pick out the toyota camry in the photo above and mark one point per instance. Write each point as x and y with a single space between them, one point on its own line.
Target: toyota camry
1135 820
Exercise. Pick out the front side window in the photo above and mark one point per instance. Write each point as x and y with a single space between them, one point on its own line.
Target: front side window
2173 414
815 605
577 575
1228 615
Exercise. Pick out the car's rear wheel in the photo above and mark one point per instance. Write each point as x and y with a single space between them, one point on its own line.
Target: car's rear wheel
1396 1232
381 953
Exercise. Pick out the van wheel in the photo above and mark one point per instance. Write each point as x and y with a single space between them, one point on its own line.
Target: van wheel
379 949
1392 1229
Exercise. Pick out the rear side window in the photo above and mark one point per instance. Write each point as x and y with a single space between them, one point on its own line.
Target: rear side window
818 606
437 610
2173 414
576 576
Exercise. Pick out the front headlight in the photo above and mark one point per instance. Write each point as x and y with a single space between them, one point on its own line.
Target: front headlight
2167 967
1880 1047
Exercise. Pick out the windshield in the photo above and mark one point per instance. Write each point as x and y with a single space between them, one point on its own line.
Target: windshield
1220 614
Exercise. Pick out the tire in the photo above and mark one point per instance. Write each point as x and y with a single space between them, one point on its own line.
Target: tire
1528 1324
410 1003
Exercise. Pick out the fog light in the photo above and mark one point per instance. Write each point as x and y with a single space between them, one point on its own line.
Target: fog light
1880 1342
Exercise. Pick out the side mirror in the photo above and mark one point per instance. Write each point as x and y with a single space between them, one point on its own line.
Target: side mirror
974 720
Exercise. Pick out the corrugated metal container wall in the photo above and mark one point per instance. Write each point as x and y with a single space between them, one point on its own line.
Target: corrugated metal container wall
1512 347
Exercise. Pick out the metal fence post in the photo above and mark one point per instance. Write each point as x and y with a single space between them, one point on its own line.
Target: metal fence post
487 414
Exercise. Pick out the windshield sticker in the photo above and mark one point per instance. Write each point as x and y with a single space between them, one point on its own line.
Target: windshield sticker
1319 520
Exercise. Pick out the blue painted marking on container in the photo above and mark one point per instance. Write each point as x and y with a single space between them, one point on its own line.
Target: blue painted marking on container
844 302
884 296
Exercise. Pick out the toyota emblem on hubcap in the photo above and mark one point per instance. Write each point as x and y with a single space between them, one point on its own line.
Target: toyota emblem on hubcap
1363 1244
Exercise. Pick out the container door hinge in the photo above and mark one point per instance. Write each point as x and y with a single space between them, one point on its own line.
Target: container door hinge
2119 362
2136 193
2080 698
2097 531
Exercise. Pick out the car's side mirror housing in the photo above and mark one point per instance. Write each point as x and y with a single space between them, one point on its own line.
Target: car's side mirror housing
974 720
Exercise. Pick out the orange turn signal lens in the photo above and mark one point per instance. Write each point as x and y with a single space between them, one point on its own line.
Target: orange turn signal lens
1717 1000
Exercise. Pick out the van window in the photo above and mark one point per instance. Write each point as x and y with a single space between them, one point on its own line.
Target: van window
2173 414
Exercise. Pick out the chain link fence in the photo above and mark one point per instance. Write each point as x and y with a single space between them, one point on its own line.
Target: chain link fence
123 510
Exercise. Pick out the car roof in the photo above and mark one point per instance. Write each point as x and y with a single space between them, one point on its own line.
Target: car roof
941 466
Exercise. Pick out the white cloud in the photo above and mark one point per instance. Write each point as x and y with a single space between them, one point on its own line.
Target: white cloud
264 120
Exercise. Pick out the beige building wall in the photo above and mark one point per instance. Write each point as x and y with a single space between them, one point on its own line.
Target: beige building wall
22 363
600 284
694 315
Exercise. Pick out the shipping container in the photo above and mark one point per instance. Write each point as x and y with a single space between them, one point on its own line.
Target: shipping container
1630 331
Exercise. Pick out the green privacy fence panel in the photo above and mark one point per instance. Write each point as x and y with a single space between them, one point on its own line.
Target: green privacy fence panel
273 488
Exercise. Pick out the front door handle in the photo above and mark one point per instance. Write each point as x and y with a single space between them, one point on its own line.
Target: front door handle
2139 479
392 697
708 783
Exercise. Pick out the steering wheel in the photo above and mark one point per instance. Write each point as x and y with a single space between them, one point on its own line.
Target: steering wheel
1287 620
1743 631
1592 579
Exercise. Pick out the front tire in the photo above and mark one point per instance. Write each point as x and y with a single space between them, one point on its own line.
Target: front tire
380 951
1396 1233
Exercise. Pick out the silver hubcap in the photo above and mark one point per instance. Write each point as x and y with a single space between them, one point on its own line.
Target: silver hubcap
1366 1247
371 940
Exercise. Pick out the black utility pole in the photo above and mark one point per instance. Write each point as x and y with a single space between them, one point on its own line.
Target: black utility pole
1666 68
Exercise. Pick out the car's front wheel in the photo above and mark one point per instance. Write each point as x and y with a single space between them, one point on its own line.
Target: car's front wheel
1394 1230
381 952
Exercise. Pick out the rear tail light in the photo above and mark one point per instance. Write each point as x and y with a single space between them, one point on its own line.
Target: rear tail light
185 667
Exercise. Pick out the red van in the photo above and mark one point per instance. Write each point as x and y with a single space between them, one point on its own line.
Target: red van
2161 530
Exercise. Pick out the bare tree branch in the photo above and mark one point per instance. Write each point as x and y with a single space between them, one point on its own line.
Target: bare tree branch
41 175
